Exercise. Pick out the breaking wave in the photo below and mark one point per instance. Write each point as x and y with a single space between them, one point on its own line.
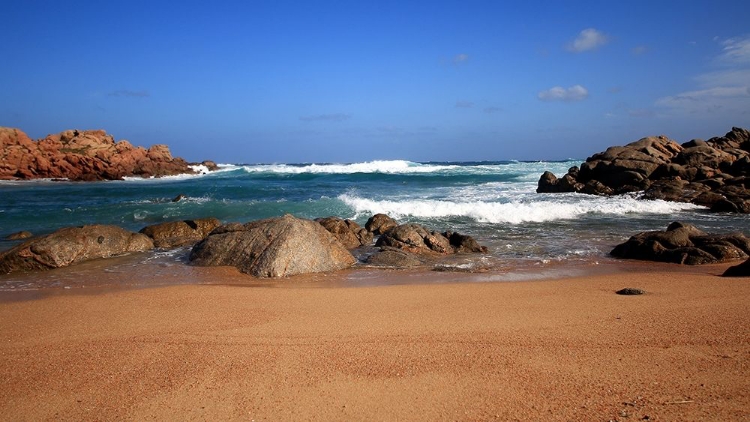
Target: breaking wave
513 212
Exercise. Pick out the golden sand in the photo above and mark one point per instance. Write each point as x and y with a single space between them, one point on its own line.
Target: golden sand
567 349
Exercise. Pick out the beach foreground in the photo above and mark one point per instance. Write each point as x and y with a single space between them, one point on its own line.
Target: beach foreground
568 349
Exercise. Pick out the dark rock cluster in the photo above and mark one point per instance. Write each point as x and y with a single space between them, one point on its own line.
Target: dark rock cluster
684 244
713 173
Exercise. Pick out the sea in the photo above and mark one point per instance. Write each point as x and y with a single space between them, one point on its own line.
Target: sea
529 235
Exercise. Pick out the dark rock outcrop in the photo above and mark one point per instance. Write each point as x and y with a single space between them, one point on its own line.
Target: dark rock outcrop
711 173
684 244
740 270
275 247
82 155
349 233
417 239
72 245
179 233
379 224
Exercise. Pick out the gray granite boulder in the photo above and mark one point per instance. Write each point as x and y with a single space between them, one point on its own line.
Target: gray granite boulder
72 245
275 247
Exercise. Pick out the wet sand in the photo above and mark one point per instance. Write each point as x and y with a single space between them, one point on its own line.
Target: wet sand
564 349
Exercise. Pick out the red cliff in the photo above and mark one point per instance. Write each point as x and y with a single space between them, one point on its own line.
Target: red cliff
82 155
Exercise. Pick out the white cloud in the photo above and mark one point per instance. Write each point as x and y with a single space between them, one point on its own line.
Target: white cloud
588 39
558 93
464 104
638 50
726 89
334 117
729 77
129 93
705 95
736 50
460 58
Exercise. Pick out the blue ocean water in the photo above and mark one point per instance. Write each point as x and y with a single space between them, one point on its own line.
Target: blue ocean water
495 202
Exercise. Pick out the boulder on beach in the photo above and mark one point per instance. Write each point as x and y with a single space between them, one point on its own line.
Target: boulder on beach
713 173
72 245
739 270
684 244
275 247
180 233
417 239
349 233
82 155
379 224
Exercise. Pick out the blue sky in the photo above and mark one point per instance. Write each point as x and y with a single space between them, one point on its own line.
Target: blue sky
278 81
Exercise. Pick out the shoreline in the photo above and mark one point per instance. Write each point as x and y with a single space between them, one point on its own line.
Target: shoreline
163 268
556 349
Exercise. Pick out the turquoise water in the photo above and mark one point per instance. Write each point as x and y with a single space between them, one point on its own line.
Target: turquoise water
495 202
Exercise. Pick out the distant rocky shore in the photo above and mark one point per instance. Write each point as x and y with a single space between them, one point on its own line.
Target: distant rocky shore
713 173
86 155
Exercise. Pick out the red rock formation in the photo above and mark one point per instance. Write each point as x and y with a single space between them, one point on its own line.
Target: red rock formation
82 155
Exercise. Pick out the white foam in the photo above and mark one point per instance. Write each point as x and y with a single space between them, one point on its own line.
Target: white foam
378 166
513 212
199 168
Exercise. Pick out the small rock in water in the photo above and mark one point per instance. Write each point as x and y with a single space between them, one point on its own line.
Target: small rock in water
19 235
179 198
630 291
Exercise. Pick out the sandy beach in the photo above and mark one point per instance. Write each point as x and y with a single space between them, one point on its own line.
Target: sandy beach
567 349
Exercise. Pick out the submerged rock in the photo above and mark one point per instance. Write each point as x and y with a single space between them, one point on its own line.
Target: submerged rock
19 235
275 247
684 244
393 258
179 233
72 245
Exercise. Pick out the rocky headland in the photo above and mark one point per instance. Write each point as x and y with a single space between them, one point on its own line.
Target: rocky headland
713 173
84 155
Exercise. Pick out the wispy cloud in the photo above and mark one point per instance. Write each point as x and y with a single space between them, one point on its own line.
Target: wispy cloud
332 117
726 89
736 50
558 93
588 39
129 93
638 50
641 113
493 109
705 95
460 58
464 104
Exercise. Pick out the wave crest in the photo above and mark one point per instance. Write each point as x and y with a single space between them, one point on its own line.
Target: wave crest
513 212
